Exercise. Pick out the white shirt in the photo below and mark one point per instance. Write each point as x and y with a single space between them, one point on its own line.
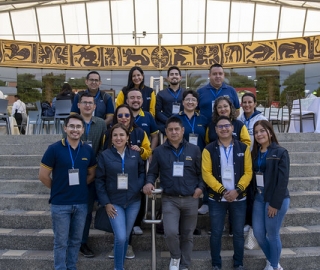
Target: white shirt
19 106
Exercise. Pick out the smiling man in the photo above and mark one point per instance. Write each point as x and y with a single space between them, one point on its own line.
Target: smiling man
67 167
104 105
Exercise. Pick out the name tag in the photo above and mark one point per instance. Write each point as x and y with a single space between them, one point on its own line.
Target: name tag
259 179
73 177
122 182
175 108
178 169
193 138
227 173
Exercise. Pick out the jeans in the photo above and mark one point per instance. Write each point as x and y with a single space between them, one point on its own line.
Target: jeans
122 226
267 230
180 215
217 213
67 223
91 199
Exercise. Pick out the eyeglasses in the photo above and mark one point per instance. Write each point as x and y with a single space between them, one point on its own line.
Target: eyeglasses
226 126
121 115
94 80
73 127
193 100
87 103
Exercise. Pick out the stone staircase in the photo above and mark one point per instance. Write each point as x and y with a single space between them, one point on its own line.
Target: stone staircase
25 222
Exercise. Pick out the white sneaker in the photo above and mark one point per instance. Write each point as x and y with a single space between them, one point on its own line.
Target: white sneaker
174 264
269 267
246 228
137 230
204 209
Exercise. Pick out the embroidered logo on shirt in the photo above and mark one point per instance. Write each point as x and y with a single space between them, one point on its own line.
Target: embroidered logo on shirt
84 158
144 124
240 154
188 158
138 141
148 98
234 134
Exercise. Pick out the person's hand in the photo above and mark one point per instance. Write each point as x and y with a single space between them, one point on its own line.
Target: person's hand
272 211
111 211
136 148
231 195
197 193
148 188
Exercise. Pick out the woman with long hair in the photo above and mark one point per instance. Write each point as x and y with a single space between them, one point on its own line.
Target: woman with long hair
271 166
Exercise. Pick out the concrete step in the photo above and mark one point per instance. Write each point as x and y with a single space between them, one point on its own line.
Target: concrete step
291 236
298 137
304 170
304 157
22 187
304 183
21 172
20 160
291 259
305 146
19 219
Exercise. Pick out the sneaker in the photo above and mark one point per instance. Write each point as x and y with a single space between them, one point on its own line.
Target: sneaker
216 268
130 254
230 233
86 251
174 264
111 254
269 267
246 228
240 267
204 209
137 230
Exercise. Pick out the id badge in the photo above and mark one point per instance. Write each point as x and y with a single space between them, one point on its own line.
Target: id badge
227 173
193 138
259 179
89 143
122 181
178 169
175 108
73 177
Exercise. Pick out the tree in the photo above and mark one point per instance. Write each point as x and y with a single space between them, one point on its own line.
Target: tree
51 85
295 81
28 87
192 82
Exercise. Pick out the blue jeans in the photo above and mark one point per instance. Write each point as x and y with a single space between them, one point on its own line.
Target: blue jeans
122 226
267 230
91 199
67 223
217 213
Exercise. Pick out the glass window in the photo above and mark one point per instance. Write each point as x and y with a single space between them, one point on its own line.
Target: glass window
193 17
289 27
312 23
5 26
25 25
122 17
149 8
266 22
194 79
74 19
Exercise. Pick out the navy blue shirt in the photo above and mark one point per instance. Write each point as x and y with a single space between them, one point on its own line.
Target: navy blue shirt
145 121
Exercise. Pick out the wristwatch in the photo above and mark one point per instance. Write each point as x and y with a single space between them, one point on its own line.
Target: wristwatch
238 190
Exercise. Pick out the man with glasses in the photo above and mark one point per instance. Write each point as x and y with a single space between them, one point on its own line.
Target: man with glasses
67 167
227 171
93 134
169 101
104 105
214 89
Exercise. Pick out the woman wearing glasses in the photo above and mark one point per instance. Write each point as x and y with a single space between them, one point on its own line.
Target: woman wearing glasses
136 81
194 123
120 175
271 165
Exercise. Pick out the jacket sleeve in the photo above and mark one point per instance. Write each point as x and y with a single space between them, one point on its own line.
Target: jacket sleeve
145 147
207 174
201 184
120 99
100 181
152 108
142 172
282 181
207 136
247 176
153 171
244 136
160 116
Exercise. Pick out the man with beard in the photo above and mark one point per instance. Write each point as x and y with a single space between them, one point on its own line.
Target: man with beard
214 89
169 101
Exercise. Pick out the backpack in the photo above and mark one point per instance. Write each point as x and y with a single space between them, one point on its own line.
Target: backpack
47 109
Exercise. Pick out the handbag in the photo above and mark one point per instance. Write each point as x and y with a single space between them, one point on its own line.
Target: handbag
101 220
250 241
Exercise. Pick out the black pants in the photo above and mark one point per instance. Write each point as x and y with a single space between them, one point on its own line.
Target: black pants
18 117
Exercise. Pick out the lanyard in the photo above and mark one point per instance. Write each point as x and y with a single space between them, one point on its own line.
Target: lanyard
261 158
225 152
175 96
88 128
178 155
72 160
122 164
192 126
137 118
214 94
247 121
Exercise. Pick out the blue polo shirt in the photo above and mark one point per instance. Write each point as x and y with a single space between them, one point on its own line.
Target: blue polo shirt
145 121
208 93
197 124
104 104
57 158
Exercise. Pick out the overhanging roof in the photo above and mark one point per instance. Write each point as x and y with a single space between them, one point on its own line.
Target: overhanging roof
150 22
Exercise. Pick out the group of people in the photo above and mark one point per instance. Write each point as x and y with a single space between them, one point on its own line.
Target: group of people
234 161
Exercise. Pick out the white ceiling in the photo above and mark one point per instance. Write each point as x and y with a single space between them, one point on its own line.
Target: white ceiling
169 22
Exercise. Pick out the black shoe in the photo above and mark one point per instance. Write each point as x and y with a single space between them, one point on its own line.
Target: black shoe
86 251
197 231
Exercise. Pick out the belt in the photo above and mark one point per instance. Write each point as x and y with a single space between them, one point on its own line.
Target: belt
179 196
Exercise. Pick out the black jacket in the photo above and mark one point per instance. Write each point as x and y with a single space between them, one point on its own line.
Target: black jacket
276 175
162 162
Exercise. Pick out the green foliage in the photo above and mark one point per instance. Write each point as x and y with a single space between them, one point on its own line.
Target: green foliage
295 81
78 83
2 83
51 85
193 82
236 80
28 87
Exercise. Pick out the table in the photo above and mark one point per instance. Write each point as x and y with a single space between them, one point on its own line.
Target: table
307 104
